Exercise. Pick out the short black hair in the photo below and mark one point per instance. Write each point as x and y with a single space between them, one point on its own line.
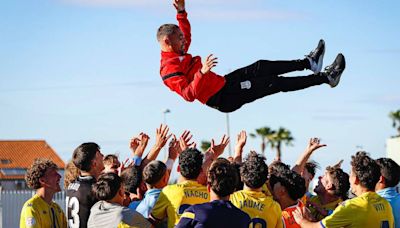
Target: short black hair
254 170
293 182
277 166
341 181
311 166
131 178
222 177
154 172
84 154
366 169
166 30
239 184
107 186
390 170
190 162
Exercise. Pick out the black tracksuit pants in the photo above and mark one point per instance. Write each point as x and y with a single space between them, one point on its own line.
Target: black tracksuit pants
261 79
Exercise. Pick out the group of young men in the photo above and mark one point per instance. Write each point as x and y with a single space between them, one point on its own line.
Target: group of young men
211 191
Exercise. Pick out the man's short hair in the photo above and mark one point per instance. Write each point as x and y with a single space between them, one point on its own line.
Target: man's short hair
131 178
276 166
254 170
340 180
154 172
37 170
366 169
222 177
293 182
190 162
166 30
84 154
110 159
311 167
107 186
390 170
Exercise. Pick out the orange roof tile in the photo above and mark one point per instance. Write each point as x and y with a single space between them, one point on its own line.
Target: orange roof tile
22 153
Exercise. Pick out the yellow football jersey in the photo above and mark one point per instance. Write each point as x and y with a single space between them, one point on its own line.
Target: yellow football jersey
36 213
175 199
262 209
329 207
366 210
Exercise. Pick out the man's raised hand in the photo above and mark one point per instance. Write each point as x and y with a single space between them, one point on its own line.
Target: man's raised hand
217 150
179 5
209 63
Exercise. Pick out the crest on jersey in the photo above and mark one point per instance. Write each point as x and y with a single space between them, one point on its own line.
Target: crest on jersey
30 221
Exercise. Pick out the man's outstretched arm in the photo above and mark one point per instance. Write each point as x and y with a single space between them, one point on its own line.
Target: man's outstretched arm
183 22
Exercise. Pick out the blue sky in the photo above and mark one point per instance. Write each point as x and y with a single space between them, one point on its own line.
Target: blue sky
73 71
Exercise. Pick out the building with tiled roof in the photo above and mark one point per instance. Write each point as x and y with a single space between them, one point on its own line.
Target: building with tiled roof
17 155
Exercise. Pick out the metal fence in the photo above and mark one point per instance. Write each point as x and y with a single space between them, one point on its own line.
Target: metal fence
11 202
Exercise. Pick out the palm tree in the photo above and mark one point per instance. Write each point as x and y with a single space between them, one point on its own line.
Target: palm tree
205 145
395 116
282 136
264 133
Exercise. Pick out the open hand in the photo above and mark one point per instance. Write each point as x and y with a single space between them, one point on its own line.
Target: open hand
179 5
208 64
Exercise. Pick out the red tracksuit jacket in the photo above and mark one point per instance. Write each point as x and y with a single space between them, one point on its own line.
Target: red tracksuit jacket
181 73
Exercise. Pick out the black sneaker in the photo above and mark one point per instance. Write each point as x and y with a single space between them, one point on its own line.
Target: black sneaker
335 70
316 57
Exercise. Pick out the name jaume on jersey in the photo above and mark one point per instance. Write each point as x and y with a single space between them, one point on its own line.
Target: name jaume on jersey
252 204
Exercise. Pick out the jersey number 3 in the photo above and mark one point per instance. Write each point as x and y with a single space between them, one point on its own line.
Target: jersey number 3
73 206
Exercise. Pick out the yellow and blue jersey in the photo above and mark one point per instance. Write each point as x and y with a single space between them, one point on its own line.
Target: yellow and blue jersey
331 206
36 213
262 209
175 199
366 210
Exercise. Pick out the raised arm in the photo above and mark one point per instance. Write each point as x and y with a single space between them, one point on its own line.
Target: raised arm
213 153
183 22
240 143
162 137
312 146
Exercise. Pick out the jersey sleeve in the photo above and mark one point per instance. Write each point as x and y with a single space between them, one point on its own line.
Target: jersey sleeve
187 218
341 217
29 217
159 211
178 82
184 25
133 219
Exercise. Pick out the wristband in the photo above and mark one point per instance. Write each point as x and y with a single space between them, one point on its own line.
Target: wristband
137 161
169 163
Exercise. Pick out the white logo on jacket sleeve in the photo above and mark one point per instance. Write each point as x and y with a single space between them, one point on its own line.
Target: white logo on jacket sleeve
245 85
30 221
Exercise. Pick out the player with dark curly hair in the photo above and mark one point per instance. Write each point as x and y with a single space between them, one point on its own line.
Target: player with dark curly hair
222 178
332 189
175 199
261 208
386 186
287 188
41 210
368 209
